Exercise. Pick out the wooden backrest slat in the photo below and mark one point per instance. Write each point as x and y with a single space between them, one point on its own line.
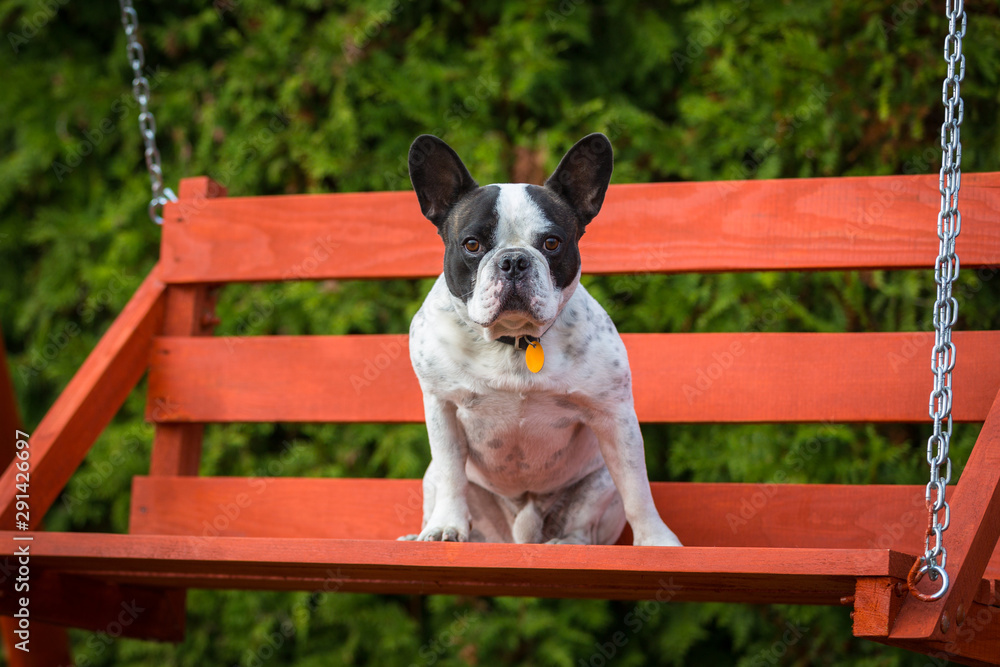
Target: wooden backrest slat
725 377
802 224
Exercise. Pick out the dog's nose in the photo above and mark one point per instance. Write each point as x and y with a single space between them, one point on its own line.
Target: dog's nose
512 263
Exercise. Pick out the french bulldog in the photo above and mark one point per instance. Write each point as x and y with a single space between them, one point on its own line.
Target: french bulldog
526 384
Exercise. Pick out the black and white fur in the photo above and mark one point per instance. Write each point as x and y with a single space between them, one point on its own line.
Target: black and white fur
555 456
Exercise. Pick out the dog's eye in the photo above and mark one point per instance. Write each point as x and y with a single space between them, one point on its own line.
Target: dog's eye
472 245
552 244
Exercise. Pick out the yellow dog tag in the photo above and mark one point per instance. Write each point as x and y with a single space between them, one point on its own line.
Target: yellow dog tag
534 356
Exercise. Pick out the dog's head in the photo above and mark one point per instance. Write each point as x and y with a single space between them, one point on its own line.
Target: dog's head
511 250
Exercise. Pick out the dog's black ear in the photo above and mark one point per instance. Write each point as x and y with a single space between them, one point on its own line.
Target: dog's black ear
583 174
438 177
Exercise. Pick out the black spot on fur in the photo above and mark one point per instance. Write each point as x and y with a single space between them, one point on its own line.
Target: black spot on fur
565 225
566 404
474 216
476 456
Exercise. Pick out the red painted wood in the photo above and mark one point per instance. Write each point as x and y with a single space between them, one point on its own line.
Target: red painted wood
876 602
49 645
728 377
970 540
780 554
988 593
88 403
977 643
806 576
118 610
815 516
177 447
189 311
818 223
197 188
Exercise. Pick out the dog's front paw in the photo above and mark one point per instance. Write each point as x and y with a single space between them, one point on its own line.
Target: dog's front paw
444 534
655 536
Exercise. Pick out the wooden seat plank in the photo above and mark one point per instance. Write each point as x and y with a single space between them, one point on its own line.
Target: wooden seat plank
793 224
815 516
806 576
728 377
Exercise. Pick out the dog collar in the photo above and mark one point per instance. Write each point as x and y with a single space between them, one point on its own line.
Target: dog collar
521 342
534 356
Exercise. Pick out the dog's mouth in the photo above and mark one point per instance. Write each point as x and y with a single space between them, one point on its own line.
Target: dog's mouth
516 324
513 301
514 314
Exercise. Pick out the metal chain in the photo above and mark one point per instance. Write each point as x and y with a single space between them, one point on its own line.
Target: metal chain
946 268
147 123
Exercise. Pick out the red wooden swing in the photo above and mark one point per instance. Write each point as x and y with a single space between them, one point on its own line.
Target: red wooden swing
808 544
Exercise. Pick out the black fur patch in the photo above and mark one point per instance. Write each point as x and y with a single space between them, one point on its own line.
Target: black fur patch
565 225
474 216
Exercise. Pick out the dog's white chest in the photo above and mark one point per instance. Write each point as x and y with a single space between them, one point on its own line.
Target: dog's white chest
530 442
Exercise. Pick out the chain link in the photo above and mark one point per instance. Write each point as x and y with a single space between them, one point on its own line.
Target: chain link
147 123
946 268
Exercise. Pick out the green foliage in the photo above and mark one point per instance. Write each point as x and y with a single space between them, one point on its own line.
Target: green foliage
305 96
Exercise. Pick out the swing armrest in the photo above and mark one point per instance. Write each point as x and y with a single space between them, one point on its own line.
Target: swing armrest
88 403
